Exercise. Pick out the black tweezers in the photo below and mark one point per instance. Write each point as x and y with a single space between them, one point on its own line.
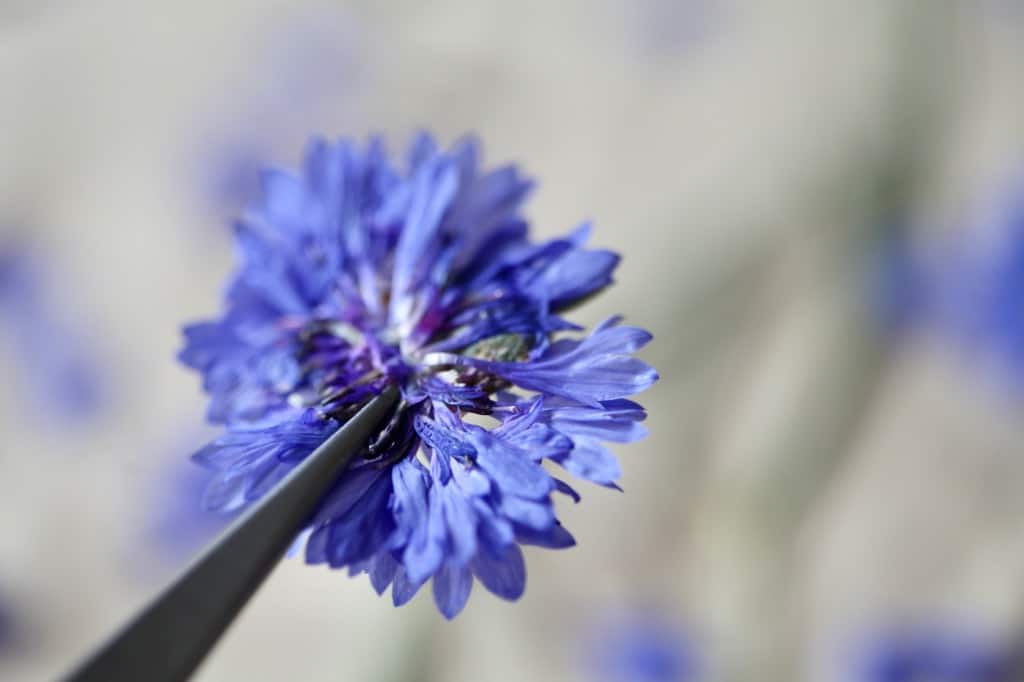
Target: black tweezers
170 637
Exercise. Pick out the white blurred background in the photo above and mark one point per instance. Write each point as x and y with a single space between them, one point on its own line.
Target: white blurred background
818 470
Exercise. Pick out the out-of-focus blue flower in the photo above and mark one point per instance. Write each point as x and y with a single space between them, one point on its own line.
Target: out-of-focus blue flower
61 373
964 287
302 65
935 656
640 647
358 273
974 283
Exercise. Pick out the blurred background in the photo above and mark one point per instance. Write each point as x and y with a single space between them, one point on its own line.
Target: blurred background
821 210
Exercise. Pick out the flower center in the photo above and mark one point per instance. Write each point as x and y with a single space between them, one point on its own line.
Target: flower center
342 367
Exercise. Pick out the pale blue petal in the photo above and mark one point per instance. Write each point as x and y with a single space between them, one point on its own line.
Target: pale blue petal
511 469
591 461
504 577
452 586
403 589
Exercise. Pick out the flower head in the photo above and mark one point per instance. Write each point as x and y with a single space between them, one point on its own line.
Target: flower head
356 274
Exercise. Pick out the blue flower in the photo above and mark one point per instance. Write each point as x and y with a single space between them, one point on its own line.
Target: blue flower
971 286
297 69
62 373
358 273
640 646
992 280
943 656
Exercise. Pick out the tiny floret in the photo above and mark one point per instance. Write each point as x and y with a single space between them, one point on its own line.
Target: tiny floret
358 273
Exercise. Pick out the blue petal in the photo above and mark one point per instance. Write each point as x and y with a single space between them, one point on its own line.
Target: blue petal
471 481
298 545
363 530
292 439
346 494
280 370
483 208
566 489
495 532
206 343
441 439
615 420
492 255
504 577
226 491
422 149
521 418
449 394
382 571
230 451
440 467
267 477
598 368
511 314
452 586
411 483
540 440
316 548
403 589
534 515
555 537
465 153
358 567
460 521
354 521
511 469
573 276
284 197
434 187
591 461
422 546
